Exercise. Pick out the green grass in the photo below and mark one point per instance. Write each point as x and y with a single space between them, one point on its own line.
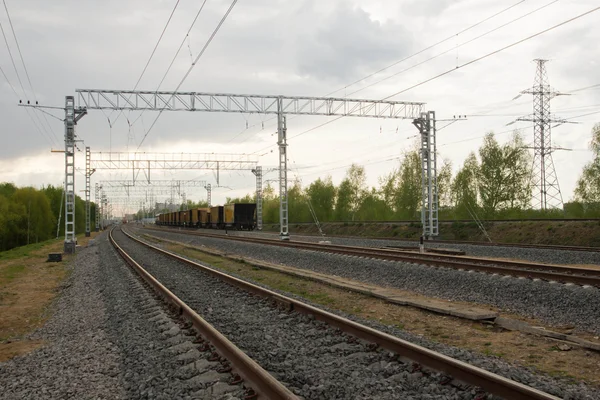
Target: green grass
24 251
9 273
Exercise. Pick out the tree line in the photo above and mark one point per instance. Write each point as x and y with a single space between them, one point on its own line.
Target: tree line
493 183
30 215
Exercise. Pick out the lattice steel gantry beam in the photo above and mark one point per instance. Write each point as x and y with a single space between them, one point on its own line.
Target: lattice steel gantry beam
261 104
245 103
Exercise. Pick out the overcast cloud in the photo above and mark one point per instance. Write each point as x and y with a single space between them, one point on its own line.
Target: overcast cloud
300 47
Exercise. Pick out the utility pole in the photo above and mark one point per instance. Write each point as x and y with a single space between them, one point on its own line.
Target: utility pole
546 194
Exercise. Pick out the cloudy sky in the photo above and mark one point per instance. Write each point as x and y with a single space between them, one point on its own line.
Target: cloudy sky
301 47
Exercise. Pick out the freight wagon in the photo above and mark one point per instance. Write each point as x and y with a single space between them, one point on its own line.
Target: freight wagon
240 216
232 216
216 217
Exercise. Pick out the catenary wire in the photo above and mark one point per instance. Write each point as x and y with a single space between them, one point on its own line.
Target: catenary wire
176 54
454 48
493 52
233 3
396 63
452 69
152 54
25 67
44 132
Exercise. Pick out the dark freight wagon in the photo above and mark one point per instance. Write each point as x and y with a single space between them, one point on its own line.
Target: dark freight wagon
204 217
216 217
240 216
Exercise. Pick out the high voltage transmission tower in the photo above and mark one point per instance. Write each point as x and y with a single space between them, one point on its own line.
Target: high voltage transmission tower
546 191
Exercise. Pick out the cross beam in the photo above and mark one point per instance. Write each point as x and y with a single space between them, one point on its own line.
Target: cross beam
94 99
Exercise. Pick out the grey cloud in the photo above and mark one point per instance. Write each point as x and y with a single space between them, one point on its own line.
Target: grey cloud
427 8
347 45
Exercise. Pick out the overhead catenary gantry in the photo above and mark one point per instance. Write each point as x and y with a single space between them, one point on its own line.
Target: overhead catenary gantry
146 162
95 99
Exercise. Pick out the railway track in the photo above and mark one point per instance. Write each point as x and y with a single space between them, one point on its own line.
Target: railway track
458 242
322 328
259 380
529 270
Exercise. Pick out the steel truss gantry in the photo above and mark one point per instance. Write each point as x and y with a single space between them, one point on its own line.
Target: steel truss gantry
146 162
94 99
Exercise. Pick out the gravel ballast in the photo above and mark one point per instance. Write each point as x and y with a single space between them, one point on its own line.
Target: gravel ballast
519 253
312 359
553 303
524 375
100 346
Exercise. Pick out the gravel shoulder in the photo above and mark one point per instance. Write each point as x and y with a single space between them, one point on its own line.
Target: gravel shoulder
100 346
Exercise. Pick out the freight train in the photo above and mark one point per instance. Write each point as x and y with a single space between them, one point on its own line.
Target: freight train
240 216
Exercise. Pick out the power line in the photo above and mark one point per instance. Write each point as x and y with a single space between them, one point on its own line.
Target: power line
152 54
429 47
45 134
493 52
398 62
451 70
454 48
176 54
233 3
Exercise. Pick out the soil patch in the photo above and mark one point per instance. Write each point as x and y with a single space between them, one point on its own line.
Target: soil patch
28 285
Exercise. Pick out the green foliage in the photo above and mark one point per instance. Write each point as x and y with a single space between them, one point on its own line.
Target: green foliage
464 188
29 215
588 185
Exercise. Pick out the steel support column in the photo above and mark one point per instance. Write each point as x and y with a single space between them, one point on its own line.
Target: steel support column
429 195
97 202
88 174
70 239
258 172
284 233
208 188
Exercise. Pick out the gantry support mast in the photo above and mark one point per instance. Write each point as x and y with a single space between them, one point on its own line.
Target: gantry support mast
72 116
429 194
259 174
263 104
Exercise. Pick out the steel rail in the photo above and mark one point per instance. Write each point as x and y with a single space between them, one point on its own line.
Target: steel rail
459 370
459 242
263 383
547 272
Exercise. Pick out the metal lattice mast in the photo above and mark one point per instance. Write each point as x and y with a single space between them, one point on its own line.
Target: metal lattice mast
72 115
97 202
429 195
208 188
69 245
88 174
545 181
259 175
284 233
